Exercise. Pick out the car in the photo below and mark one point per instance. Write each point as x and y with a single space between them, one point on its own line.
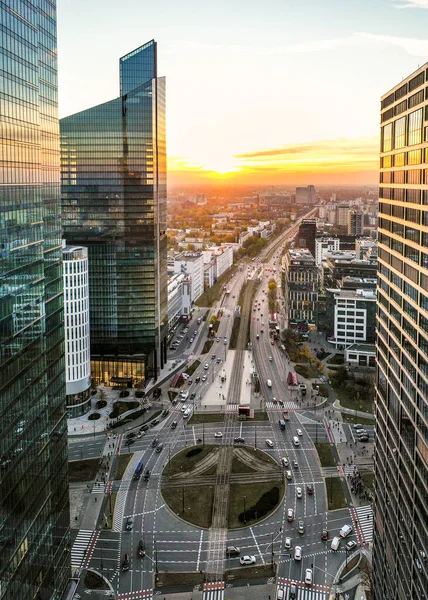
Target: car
185 376
269 443
257 337
285 461
154 443
295 464
192 396
247 560
131 435
184 408
272 343
324 534
147 475
363 438
301 527
269 383
239 440
165 412
173 424
290 515
218 361
204 377
361 432
308 576
345 531
206 366
225 341
351 545
129 523
299 432
141 549
189 381
197 379
129 442
144 428
159 448
288 542
288 475
270 358
233 551
293 591
125 565
212 356
140 434
280 593
191 340
310 489
335 543
298 553
218 434
299 492
154 422
217 339
195 333
261 330
358 426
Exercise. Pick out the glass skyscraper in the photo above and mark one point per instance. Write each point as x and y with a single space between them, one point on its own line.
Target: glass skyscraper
114 202
401 448
34 502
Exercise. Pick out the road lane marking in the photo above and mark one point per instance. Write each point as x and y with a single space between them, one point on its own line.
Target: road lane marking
257 545
199 551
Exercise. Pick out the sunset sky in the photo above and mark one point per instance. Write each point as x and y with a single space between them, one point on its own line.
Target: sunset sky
258 92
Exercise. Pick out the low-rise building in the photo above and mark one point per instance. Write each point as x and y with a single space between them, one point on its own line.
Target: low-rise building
192 265
323 246
360 355
351 316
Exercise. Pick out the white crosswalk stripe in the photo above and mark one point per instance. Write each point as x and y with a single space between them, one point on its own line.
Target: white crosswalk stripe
213 595
306 593
232 408
349 470
98 487
287 406
365 521
80 547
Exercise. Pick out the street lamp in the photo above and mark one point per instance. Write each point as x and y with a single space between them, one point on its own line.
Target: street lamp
245 511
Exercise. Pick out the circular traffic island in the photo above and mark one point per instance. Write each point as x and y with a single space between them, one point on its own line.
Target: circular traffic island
196 480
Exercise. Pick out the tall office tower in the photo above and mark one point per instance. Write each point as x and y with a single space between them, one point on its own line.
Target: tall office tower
113 169
342 211
355 222
401 449
307 233
34 503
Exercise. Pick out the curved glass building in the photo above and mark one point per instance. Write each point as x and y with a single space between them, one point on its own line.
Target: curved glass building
114 202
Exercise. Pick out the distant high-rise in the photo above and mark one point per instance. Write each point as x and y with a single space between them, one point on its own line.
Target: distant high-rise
34 500
113 162
355 222
342 211
401 450
306 195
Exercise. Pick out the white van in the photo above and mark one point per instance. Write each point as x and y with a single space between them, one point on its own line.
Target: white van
184 395
335 543
346 530
296 441
187 413
280 594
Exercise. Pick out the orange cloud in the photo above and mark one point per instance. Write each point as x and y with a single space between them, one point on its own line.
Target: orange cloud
340 160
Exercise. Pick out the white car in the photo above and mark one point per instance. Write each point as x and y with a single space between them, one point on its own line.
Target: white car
269 443
285 461
184 408
287 542
218 434
270 358
185 376
299 432
269 383
206 366
204 377
298 553
346 530
290 514
299 492
247 560
308 576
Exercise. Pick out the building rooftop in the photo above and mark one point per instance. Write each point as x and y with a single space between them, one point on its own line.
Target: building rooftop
359 294
370 348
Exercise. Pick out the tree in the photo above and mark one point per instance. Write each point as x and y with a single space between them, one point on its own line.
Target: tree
272 285
102 394
190 247
341 375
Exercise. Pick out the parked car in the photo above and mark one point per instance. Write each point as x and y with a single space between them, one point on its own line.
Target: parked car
144 428
130 435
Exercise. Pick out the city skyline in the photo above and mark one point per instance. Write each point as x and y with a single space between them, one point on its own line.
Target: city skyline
313 114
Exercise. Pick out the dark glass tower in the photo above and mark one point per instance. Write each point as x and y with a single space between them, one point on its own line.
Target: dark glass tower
114 202
34 504
401 449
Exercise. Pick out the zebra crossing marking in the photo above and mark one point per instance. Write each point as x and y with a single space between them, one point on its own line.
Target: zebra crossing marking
140 595
363 516
315 592
80 546
285 406
213 591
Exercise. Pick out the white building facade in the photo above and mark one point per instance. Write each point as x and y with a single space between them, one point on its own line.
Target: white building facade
192 264
77 333
324 245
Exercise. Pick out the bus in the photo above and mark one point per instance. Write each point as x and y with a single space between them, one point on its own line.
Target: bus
138 470
292 378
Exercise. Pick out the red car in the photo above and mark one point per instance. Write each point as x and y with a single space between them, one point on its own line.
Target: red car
310 489
324 535
272 342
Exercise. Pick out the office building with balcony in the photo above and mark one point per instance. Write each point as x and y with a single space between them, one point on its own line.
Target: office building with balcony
113 169
300 286
77 336
400 551
34 495
355 222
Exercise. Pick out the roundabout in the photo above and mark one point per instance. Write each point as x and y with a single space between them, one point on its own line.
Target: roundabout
255 480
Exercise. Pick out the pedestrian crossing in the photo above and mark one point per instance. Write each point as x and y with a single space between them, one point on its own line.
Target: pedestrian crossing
213 591
285 406
80 547
363 520
304 592
98 487
140 595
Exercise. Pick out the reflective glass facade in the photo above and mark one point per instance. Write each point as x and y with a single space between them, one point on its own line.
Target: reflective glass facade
400 556
113 168
34 504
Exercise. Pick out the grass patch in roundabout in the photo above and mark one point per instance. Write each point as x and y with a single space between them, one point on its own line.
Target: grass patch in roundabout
260 499
186 460
325 453
198 503
206 418
335 494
